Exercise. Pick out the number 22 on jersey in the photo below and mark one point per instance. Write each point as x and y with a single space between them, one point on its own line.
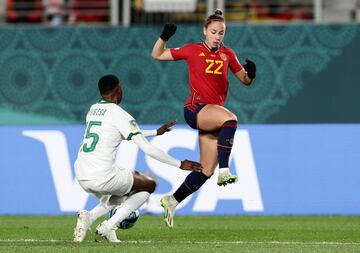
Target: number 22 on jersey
214 66
90 134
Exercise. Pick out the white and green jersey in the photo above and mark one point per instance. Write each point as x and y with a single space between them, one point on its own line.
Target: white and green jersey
107 124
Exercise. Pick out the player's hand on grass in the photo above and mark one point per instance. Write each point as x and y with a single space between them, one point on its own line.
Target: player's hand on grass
190 165
166 127
168 31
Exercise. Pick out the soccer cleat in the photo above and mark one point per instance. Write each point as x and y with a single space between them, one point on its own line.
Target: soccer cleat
82 226
169 210
225 177
108 233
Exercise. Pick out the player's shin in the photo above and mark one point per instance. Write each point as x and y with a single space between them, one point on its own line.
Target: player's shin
225 142
224 146
191 184
107 203
99 210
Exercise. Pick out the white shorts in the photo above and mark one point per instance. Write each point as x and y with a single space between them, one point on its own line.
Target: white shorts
119 185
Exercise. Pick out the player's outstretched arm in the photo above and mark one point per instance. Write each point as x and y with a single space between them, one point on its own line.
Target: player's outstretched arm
160 52
165 128
161 130
161 156
190 165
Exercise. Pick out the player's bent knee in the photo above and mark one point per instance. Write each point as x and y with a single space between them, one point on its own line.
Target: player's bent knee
144 182
151 181
152 186
230 116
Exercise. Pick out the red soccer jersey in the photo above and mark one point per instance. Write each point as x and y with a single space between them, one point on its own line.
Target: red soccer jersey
207 72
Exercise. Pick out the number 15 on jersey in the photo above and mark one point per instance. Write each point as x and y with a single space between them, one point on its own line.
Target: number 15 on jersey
91 135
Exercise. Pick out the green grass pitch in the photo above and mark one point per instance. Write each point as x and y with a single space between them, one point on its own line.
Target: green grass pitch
190 234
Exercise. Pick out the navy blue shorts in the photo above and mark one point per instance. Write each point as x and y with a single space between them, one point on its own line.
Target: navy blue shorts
190 114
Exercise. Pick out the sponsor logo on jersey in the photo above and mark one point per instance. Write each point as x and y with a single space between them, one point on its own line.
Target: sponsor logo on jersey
201 54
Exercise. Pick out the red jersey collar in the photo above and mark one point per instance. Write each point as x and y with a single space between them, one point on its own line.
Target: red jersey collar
209 49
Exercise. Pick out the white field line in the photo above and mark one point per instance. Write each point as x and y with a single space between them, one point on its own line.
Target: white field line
193 242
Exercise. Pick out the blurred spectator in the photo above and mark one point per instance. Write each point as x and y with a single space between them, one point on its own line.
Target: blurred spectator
57 12
24 11
281 10
91 10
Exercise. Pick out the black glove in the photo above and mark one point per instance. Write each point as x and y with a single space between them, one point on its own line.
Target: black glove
168 31
250 68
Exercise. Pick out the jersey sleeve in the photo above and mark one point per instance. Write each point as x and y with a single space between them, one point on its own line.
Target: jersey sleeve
148 133
126 124
180 53
234 63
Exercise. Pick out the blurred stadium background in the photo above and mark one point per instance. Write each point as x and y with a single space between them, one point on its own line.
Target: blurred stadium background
298 148
296 152
52 51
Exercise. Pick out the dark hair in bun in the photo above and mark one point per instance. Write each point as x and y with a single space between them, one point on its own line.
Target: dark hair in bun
217 16
218 12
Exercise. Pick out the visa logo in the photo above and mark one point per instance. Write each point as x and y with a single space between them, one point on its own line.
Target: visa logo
71 197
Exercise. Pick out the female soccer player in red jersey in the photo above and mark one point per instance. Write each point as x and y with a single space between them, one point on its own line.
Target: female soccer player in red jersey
208 64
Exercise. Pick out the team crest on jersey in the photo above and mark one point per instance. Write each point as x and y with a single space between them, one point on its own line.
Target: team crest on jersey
133 125
223 56
201 54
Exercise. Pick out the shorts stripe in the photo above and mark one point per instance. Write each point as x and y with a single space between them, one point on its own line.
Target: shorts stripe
232 124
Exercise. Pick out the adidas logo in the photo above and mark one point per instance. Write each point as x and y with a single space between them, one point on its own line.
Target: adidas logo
201 54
